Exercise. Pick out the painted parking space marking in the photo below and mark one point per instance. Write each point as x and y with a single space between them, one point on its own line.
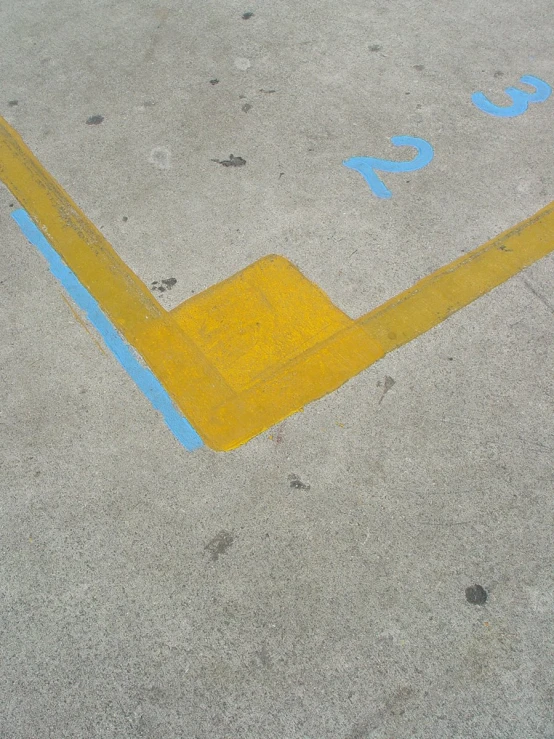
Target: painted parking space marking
520 98
222 409
367 166
437 296
250 351
146 381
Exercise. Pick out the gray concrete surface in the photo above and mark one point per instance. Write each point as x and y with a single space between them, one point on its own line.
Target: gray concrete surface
150 592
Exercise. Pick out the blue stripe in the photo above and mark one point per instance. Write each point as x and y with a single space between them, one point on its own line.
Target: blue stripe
143 377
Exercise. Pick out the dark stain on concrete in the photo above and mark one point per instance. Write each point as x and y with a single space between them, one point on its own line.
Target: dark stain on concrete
233 161
246 107
375 47
164 285
13 103
476 594
264 657
498 73
396 703
219 544
94 120
297 484
214 82
246 16
387 384
419 67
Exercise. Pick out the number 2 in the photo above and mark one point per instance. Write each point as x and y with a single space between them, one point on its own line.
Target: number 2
366 166
520 99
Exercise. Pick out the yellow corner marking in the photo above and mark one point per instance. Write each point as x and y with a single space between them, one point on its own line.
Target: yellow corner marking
228 386
255 348
259 319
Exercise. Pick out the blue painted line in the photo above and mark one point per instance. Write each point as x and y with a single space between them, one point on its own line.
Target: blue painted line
143 377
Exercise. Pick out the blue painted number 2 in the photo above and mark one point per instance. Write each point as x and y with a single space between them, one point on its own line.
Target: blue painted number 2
520 99
366 166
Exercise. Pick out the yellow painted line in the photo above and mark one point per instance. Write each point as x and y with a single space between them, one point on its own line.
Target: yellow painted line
255 348
437 296
177 363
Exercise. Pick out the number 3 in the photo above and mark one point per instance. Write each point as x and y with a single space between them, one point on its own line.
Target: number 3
366 166
520 99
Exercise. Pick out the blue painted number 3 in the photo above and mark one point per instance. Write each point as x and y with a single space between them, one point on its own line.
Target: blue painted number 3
520 99
367 166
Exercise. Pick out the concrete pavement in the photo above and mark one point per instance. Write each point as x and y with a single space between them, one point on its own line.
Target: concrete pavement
312 583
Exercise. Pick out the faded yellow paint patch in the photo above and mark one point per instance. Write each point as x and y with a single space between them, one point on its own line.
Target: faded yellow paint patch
244 354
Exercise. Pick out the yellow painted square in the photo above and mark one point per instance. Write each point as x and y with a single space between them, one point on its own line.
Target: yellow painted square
259 319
